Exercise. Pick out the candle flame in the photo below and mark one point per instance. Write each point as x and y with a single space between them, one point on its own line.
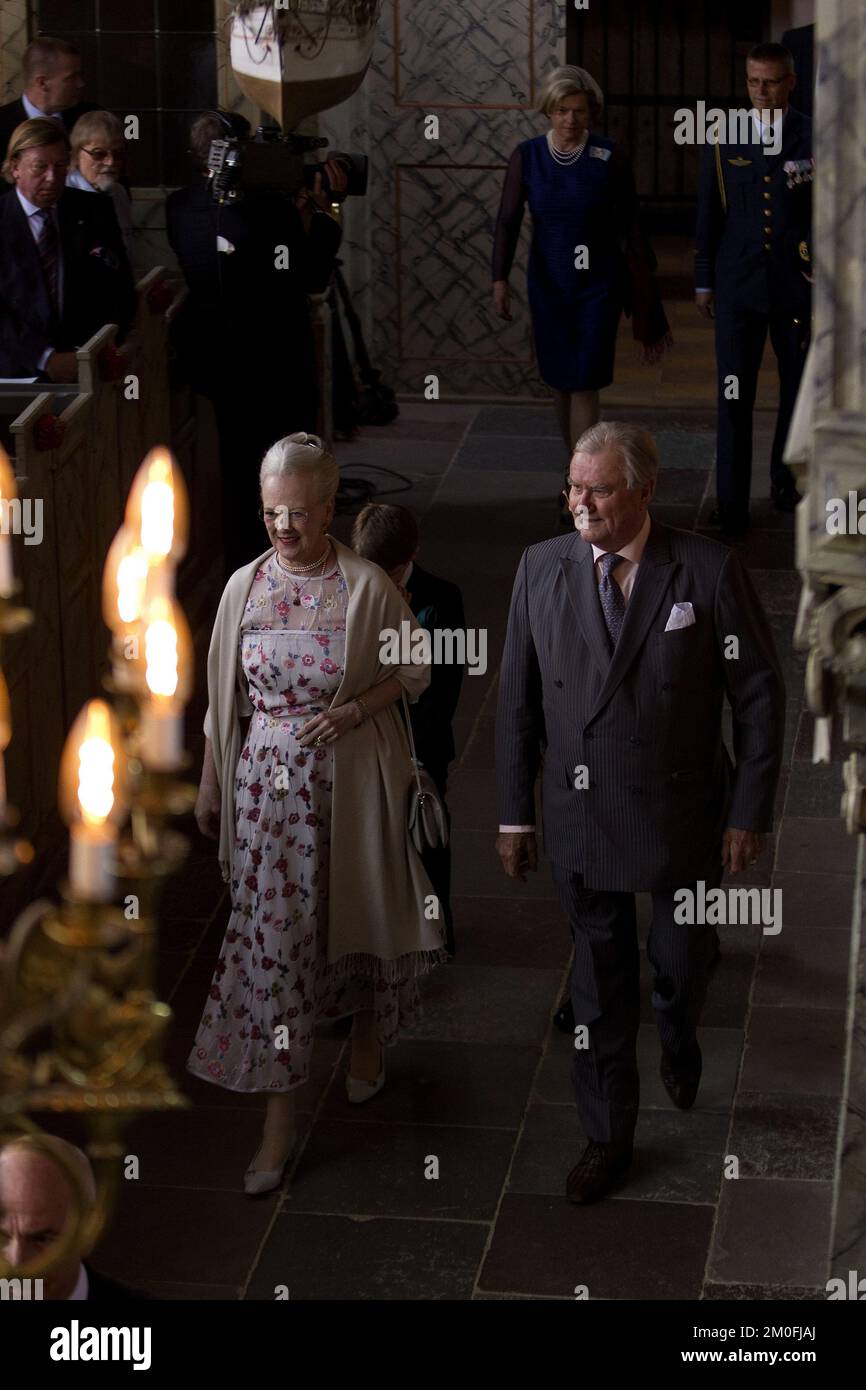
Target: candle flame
5 715
96 767
161 650
156 506
8 489
131 581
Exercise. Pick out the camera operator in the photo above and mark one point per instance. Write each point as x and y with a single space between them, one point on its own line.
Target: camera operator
244 336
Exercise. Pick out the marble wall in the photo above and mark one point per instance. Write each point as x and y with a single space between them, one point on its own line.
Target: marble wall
417 249
13 41
827 447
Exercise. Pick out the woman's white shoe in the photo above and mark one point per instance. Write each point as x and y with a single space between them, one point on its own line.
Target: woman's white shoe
359 1091
258 1180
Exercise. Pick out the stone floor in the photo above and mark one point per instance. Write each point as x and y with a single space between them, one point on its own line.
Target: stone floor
481 1083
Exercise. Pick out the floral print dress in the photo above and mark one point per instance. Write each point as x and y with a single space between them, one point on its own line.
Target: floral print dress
273 968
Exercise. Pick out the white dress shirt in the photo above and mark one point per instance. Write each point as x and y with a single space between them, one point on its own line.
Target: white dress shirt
82 1287
34 114
34 222
623 574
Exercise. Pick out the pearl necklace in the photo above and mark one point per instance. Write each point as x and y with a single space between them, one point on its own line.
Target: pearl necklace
304 569
567 156
296 601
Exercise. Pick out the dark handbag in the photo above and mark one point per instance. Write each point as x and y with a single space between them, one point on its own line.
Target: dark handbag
428 826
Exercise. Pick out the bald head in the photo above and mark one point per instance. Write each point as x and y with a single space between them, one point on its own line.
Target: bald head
38 1199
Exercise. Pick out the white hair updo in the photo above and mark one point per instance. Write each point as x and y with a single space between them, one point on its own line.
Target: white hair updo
304 456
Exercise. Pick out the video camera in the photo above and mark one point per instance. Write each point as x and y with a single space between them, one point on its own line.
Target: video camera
270 160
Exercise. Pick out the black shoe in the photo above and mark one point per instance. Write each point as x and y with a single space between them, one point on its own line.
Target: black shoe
563 1019
596 1171
785 497
733 524
681 1074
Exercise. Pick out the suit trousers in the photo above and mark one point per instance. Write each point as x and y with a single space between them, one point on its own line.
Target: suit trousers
605 995
437 862
741 333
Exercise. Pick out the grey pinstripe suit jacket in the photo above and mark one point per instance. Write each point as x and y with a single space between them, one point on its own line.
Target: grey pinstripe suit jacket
645 722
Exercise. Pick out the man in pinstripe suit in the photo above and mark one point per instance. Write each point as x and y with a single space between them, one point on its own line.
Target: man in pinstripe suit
624 639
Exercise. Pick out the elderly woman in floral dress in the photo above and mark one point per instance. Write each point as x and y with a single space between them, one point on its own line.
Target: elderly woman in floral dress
305 781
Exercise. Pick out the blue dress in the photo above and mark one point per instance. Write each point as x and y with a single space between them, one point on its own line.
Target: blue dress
591 203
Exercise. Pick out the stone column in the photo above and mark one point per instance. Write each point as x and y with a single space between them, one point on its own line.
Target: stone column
827 450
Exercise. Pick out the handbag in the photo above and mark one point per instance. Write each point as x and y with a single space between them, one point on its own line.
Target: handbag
428 826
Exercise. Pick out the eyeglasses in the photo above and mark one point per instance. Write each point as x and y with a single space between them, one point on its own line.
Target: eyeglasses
273 516
99 154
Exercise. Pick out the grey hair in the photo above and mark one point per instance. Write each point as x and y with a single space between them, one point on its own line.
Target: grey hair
567 82
304 456
64 1156
636 448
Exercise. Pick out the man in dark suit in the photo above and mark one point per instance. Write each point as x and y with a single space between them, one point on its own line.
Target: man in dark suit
244 335
37 1201
64 272
623 641
51 73
388 535
750 204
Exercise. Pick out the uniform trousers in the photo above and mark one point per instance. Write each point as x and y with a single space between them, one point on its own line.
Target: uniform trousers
741 333
605 995
437 862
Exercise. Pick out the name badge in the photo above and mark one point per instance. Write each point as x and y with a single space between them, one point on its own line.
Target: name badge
739 163
599 152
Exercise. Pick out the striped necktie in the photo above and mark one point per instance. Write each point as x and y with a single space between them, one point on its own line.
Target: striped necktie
611 597
48 246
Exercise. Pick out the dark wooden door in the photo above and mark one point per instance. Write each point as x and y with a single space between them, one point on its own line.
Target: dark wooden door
651 58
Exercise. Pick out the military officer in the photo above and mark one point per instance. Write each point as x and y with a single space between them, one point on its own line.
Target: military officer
753 205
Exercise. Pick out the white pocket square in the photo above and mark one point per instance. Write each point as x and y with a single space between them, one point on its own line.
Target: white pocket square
682 615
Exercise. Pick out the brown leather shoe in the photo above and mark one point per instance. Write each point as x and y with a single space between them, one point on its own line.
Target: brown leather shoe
596 1171
681 1074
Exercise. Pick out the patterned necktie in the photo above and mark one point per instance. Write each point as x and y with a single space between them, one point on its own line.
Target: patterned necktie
611 597
47 246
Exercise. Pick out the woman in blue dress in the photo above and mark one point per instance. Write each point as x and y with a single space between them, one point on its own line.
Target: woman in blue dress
589 259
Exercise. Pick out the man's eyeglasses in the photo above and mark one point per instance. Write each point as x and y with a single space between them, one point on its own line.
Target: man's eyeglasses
272 517
99 154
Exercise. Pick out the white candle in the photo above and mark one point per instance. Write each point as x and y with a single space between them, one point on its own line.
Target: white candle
161 736
7 576
122 667
92 863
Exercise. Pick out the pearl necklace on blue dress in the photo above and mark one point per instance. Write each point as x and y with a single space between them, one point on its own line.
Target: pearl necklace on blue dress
569 156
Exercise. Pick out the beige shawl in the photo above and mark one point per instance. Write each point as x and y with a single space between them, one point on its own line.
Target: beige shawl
381 901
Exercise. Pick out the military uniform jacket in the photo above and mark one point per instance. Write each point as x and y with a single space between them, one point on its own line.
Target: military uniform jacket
752 252
645 722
